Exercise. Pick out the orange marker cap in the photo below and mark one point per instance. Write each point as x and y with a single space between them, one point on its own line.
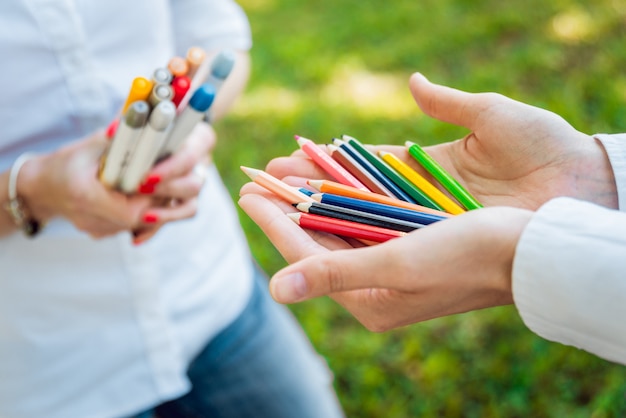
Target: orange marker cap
178 66
195 57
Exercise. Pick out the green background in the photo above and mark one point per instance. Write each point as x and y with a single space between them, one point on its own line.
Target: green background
328 67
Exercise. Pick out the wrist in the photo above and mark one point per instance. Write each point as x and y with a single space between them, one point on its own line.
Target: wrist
29 183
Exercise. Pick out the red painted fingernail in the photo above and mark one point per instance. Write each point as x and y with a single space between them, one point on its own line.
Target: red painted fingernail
112 129
150 218
153 180
146 189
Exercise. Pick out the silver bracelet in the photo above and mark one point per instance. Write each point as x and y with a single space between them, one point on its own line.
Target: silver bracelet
15 206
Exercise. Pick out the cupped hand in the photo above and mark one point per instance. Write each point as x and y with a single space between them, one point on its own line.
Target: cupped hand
456 265
65 184
515 154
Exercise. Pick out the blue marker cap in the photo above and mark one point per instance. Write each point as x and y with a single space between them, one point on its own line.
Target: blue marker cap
222 64
203 97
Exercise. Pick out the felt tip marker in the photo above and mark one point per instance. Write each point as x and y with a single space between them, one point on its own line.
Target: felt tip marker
187 119
180 86
162 76
178 66
148 146
221 67
124 140
160 93
140 89
195 57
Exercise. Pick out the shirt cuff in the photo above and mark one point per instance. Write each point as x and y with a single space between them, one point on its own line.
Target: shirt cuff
615 147
569 281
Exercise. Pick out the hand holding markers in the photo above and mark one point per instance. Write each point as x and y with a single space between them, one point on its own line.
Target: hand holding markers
161 147
516 155
64 184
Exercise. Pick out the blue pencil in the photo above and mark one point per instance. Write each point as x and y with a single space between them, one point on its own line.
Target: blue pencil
390 185
377 208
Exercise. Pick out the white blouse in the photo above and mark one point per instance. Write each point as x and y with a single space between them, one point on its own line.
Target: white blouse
102 328
569 271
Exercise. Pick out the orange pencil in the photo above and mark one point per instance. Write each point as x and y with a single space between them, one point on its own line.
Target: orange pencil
421 183
280 188
325 161
326 186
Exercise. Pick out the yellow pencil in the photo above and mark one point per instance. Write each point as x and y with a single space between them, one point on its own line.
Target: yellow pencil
421 183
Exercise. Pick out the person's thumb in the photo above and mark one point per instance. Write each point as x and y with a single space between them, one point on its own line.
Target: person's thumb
332 272
445 103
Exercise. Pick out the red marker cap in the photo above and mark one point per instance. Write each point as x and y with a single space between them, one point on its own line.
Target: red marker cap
180 85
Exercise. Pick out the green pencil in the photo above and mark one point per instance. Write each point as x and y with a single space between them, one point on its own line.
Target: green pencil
408 187
442 176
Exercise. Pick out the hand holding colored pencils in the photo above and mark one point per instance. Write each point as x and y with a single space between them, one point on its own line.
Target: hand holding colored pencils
374 197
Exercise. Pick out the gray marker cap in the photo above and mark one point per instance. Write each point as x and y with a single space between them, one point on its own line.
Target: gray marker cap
137 114
223 64
162 115
162 76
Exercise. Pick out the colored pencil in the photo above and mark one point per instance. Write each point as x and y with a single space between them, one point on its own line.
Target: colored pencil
419 197
344 228
366 218
328 164
442 176
390 185
421 183
378 208
331 187
289 193
342 157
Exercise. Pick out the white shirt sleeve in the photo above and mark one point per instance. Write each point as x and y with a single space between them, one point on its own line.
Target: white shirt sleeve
569 271
210 24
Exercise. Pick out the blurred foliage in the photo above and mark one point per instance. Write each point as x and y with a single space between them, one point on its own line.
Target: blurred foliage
327 67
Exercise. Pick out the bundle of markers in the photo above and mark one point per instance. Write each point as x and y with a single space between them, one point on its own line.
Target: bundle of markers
374 197
159 113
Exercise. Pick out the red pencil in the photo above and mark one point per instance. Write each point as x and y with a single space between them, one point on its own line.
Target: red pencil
332 167
344 228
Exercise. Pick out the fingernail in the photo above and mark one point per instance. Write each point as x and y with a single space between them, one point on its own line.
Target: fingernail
153 180
146 189
290 288
150 218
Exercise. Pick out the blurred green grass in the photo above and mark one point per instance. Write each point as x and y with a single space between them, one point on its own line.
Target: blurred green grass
324 68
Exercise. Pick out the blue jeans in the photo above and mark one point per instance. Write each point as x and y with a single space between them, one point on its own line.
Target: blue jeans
261 366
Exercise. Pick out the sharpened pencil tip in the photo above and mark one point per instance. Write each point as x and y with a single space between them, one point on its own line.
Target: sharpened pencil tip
317 197
294 217
316 184
338 142
304 206
250 172
409 144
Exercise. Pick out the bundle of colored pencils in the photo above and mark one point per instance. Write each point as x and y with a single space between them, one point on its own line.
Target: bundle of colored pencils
374 197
